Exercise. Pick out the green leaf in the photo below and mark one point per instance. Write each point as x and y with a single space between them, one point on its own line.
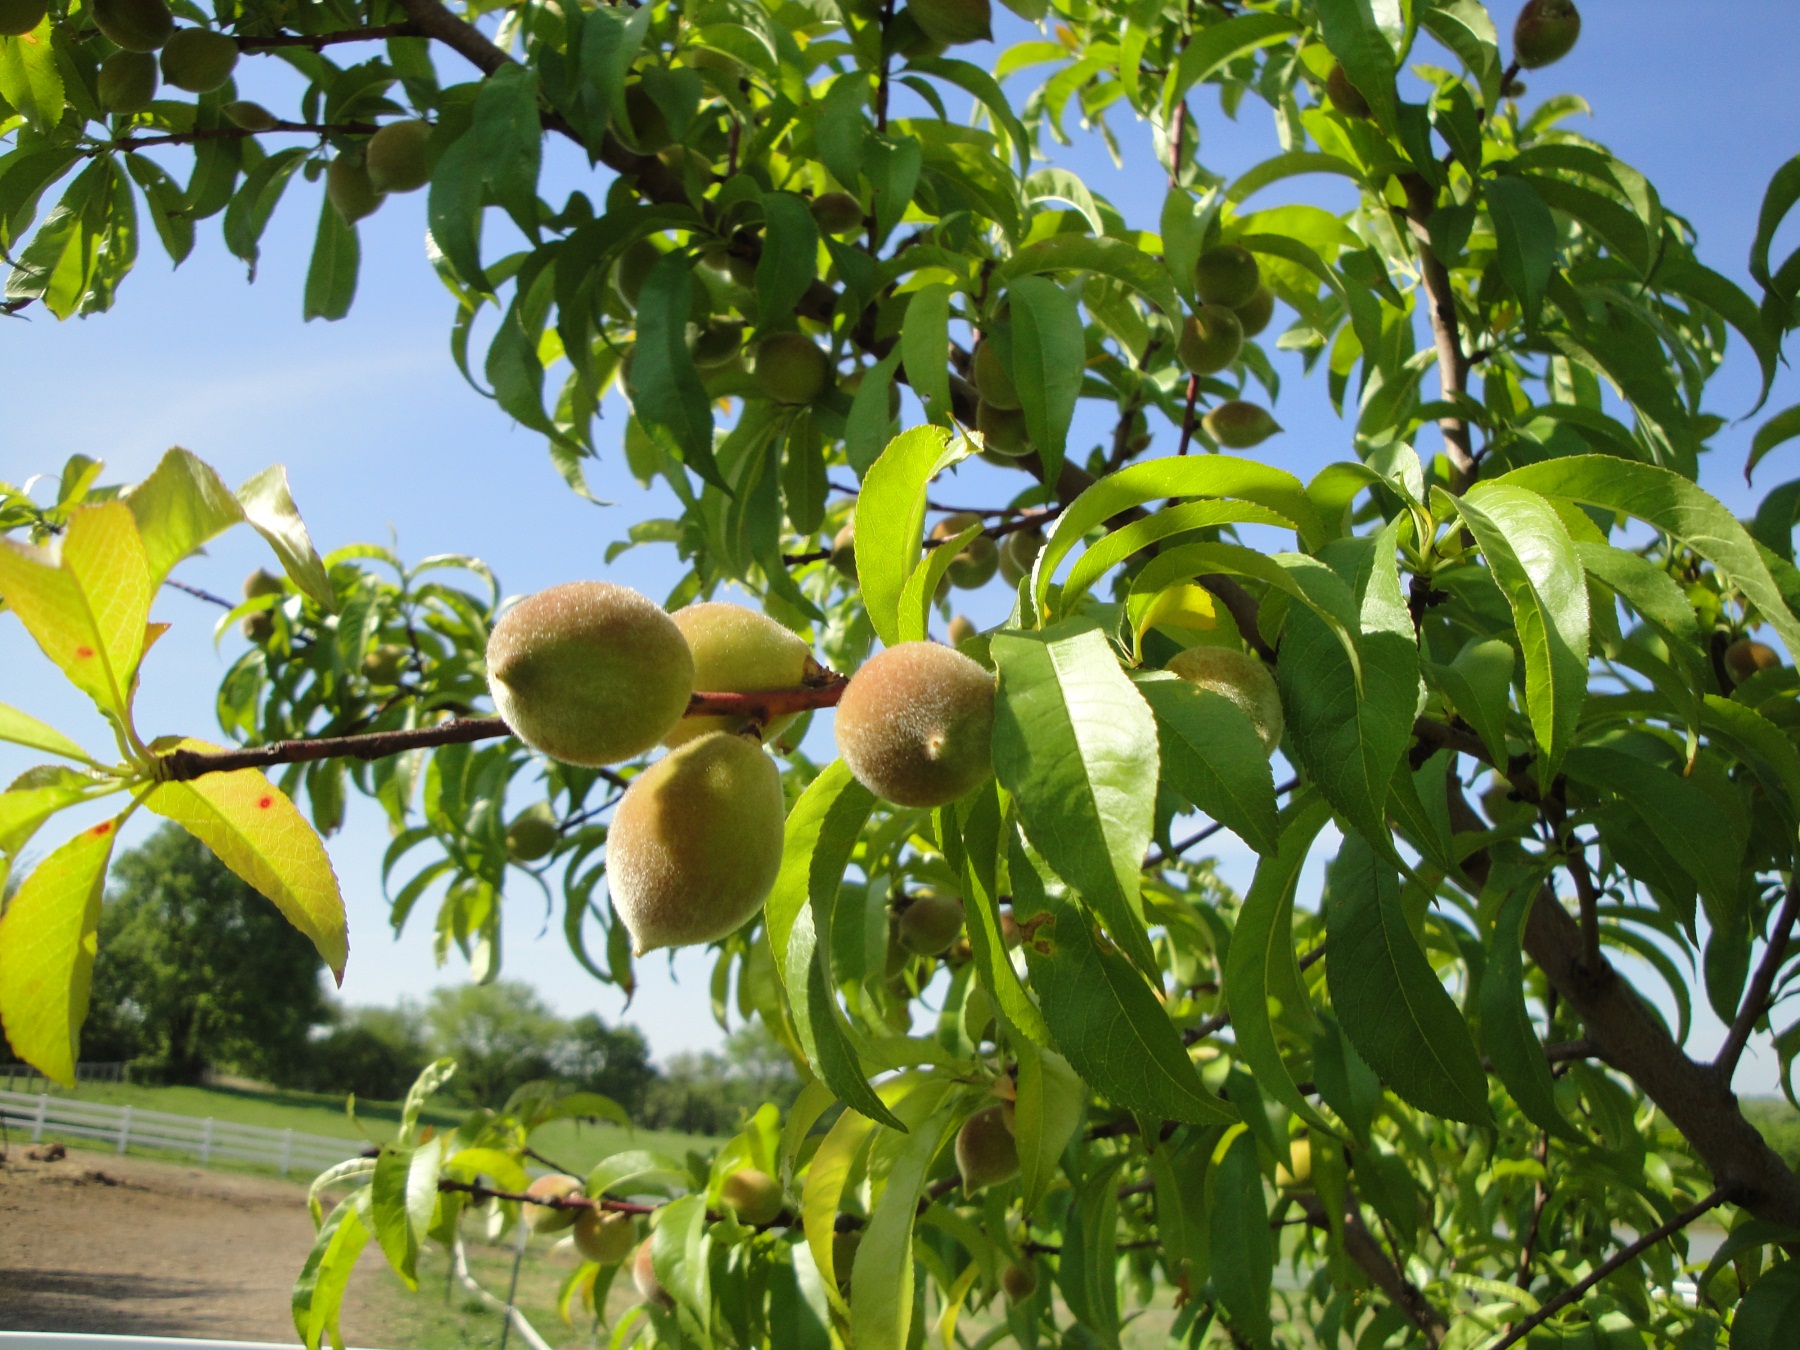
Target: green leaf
1261 972
1506 1030
925 341
318 1295
29 78
1769 1315
1526 240
254 202
180 506
431 1078
1088 1271
1108 257
890 519
892 167
972 78
1671 503
1211 754
1534 561
1388 998
1243 1255
881 1284
1106 1020
1783 191
35 796
979 825
1353 34
1647 588
269 508
866 428
24 729
666 391
1075 745
1049 352
1466 28
331 276
1782 427
1050 1102
1479 683
402 1195
922 585
1217 45
826 1177
1106 553
680 1252
495 160
47 942
790 258
261 835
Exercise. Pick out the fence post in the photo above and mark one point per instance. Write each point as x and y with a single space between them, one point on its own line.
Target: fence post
124 1130
206 1141
37 1124
287 1150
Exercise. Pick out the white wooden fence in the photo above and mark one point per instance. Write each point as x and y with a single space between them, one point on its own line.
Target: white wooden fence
126 1127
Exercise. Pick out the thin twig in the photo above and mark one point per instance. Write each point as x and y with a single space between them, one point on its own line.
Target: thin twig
379 33
1625 1256
1756 997
1158 858
234 134
1589 896
1187 419
197 593
1446 330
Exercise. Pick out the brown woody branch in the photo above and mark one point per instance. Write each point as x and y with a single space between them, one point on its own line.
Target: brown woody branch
1446 329
1362 1247
379 33
234 134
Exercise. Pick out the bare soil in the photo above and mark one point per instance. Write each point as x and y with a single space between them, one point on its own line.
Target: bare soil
97 1243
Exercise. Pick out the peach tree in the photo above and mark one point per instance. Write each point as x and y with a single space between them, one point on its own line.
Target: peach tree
1523 673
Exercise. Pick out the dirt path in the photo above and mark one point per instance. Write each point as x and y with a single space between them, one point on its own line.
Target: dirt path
99 1243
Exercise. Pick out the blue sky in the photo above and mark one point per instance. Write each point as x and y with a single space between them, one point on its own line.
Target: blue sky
384 441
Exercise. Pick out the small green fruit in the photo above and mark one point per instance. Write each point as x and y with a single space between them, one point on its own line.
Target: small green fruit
589 673
633 269
250 116
19 17
991 378
962 630
985 1152
843 551
134 25
530 837
1296 1174
718 344
1241 678
1344 96
199 60
754 1196
975 565
260 626
696 843
1238 425
263 582
1504 807
399 158
1002 430
1745 658
1254 315
838 213
792 368
916 724
127 82
385 664
604 1236
1227 275
953 21
1546 32
1019 1282
930 923
545 1218
348 186
738 651
1018 555
643 1278
1211 340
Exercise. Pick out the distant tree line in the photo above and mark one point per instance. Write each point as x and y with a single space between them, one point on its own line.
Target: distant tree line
197 974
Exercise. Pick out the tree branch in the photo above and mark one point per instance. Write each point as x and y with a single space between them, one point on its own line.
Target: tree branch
1362 1247
1756 997
379 33
234 134
1446 330
1624 1256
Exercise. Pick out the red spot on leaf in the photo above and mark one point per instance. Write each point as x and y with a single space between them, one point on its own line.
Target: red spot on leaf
84 653
266 802
101 830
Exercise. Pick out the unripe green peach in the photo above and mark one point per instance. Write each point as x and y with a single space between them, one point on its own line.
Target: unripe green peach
791 368
1504 807
531 836
930 923
1345 96
1240 677
1254 315
962 629
399 158
649 128
837 213
916 724
1238 425
975 565
1211 339
753 1195
643 1278
1018 555
385 664
1545 32
260 626
19 17
1296 1174
1002 430
1745 657
545 1218
348 186
589 673
633 269
738 651
953 21
199 60
1019 1282
250 116
991 378
696 843
604 1236
134 25
986 1154
719 344
843 551
127 82
741 270
263 582
1227 275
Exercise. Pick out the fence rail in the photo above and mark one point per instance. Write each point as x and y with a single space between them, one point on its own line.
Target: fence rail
205 1139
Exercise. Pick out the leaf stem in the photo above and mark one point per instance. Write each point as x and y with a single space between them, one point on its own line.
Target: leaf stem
1756 997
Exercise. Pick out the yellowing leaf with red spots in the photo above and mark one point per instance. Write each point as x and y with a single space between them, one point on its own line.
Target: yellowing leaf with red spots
261 835
47 943
85 600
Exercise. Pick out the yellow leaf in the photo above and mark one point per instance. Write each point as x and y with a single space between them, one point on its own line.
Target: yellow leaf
180 506
1184 606
86 601
47 941
261 835
24 729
